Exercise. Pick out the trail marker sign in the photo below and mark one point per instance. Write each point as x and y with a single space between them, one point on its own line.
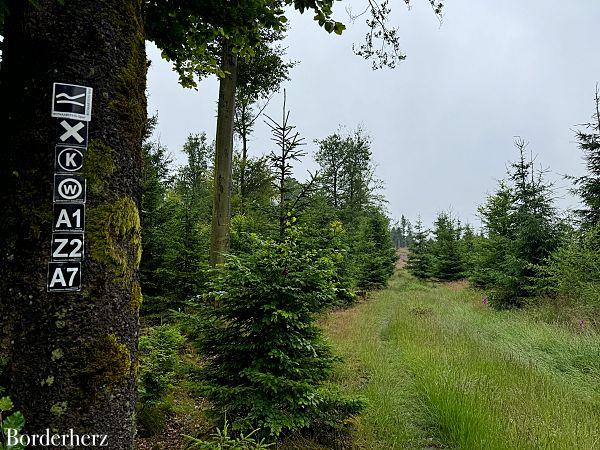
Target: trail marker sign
64 276
68 217
72 132
67 246
68 159
69 188
70 101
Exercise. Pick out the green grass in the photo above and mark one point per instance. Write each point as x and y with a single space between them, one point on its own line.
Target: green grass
441 370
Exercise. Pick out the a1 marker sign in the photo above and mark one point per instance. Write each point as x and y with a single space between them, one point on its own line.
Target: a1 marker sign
67 246
64 276
70 101
69 189
68 217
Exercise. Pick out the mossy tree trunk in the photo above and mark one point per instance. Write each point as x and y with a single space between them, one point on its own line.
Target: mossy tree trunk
71 357
221 214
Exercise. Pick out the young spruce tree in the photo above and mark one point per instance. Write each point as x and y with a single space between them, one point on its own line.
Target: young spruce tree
419 261
446 261
267 365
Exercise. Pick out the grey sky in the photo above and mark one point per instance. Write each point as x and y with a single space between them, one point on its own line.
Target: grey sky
443 121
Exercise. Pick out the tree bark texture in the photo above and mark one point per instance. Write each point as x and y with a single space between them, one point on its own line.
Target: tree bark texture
71 357
221 214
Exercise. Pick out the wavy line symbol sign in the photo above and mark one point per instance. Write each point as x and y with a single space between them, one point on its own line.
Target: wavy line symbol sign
70 101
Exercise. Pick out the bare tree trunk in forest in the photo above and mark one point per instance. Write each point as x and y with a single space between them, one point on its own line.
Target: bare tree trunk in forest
335 195
244 133
72 356
221 214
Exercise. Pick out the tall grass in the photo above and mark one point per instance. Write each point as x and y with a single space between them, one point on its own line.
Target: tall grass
439 368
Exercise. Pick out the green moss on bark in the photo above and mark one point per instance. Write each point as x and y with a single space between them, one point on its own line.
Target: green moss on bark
98 165
136 297
107 363
127 101
59 409
57 354
115 239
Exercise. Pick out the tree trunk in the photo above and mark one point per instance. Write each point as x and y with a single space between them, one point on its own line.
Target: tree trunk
244 162
72 356
221 214
282 211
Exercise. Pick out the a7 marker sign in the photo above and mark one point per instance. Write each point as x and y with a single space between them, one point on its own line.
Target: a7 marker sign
64 276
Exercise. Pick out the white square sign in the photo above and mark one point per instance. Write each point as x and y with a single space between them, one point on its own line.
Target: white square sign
70 101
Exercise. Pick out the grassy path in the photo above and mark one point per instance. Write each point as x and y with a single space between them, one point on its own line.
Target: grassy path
441 370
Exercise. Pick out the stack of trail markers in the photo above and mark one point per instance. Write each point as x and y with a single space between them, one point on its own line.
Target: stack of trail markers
72 106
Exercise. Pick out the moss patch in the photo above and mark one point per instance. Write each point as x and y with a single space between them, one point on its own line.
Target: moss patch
98 165
57 354
115 237
129 97
107 362
58 409
136 296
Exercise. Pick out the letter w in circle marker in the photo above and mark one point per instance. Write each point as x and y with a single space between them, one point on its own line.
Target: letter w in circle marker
72 131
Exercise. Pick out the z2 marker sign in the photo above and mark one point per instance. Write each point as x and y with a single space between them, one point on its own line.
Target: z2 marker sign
67 246
70 101
64 276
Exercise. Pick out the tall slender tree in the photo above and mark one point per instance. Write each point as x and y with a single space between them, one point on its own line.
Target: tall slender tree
289 150
72 356
331 156
588 186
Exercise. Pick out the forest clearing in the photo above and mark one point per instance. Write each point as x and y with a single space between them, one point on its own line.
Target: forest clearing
440 369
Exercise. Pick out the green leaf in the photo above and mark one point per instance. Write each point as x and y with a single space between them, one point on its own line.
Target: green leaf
6 404
339 28
15 421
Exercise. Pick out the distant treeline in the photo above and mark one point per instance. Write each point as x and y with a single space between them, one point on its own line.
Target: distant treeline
525 249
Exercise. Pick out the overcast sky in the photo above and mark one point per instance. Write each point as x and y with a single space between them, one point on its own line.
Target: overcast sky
443 122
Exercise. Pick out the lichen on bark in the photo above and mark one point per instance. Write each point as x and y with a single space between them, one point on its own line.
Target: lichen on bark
114 234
